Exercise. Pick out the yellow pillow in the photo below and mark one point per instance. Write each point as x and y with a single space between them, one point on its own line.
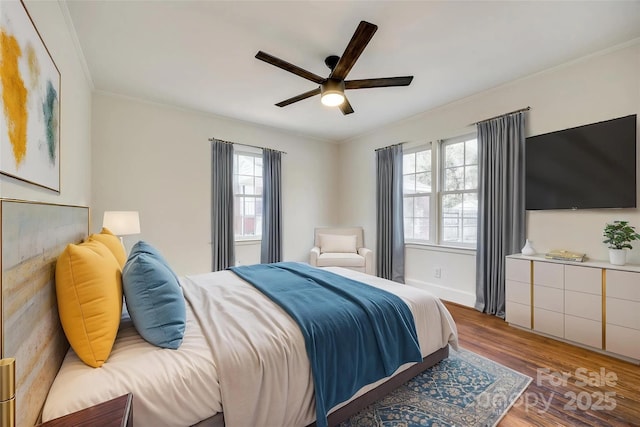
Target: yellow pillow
114 244
89 292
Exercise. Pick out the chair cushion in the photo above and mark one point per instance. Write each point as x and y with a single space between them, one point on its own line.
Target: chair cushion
89 293
340 260
336 243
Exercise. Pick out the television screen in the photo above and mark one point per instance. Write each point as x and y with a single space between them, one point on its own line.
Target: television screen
586 167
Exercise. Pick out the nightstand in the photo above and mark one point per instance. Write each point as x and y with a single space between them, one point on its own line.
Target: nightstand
117 412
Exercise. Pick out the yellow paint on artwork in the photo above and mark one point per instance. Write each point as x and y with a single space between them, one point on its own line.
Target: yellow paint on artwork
14 95
34 66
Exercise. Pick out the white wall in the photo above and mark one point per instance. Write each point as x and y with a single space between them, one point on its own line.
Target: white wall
75 115
157 160
596 88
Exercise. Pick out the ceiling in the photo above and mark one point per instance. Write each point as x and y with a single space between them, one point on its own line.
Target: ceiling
200 54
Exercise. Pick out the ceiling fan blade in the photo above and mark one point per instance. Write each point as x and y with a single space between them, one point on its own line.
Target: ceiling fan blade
299 97
381 82
356 45
345 107
270 59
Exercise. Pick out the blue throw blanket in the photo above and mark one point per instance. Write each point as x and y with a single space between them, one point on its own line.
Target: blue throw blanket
355 334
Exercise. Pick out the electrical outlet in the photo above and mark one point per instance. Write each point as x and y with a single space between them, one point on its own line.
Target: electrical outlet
438 273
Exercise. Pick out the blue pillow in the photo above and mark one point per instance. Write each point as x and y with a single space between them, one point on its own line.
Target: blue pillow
142 247
154 300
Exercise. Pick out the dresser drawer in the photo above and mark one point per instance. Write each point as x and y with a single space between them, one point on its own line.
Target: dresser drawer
623 285
548 274
624 341
583 279
518 314
588 306
518 270
623 313
549 322
518 292
548 298
583 331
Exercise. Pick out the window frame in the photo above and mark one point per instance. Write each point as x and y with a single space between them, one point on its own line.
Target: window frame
436 207
442 192
432 195
236 174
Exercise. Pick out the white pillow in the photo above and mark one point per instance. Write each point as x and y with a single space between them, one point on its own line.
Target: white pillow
337 243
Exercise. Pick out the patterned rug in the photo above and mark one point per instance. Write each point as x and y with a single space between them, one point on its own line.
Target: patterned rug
464 390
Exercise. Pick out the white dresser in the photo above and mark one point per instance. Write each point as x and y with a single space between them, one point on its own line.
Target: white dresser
593 304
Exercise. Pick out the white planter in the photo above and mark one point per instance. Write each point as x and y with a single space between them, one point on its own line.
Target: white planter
617 256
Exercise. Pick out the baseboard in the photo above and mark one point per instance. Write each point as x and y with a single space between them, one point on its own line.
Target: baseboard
467 299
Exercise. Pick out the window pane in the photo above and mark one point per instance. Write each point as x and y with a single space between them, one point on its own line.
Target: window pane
454 179
423 161
245 182
421 229
258 229
245 165
258 189
454 154
409 184
258 204
407 207
471 152
249 206
249 226
237 215
258 166
408 228
452 217
409 163
470 177
423 183
421 206
470 217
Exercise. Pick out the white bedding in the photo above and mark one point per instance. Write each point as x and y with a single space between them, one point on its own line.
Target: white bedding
250 358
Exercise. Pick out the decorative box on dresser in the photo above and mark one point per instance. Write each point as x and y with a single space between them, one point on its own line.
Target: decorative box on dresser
593 304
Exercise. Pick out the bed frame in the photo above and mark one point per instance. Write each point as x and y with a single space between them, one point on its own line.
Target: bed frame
32 235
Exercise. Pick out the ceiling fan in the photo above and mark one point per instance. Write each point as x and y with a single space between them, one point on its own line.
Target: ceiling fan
332 88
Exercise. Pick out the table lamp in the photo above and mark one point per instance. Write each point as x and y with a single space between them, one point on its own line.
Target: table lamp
122 223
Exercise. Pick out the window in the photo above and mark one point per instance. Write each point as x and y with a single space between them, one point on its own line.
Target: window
247 190
440 189
416 188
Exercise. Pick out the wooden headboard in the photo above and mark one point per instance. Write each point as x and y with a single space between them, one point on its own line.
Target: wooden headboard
32 236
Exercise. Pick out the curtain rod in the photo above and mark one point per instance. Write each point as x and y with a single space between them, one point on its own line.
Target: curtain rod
502 115
246 145
389 146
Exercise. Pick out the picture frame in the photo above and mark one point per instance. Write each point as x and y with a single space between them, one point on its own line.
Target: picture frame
29 101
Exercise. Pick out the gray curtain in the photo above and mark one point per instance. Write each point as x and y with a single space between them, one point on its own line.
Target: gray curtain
501 206
389 215
271 247
222 233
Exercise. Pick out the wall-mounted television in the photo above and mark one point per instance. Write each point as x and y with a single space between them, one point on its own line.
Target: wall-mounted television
586 167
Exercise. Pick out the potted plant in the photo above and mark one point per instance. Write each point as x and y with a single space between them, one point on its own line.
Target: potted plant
618 235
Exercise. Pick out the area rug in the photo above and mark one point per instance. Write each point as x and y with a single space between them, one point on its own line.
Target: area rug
463 390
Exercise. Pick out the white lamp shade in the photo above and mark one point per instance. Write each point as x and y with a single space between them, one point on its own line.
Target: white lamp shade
122 223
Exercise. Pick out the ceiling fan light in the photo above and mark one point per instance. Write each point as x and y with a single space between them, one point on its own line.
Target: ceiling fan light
332 99
332 93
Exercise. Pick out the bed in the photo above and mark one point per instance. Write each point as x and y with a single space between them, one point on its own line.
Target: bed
240 352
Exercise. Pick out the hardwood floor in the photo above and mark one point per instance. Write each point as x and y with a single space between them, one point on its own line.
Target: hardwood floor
610 397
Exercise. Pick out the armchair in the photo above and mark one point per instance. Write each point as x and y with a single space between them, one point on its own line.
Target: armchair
341 247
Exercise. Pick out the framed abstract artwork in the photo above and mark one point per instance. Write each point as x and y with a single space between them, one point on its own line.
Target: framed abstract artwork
30 98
